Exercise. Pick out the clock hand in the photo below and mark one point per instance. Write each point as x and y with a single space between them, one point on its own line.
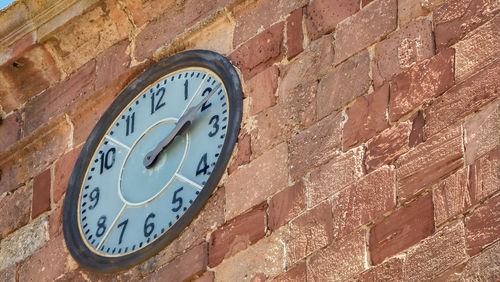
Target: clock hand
181 126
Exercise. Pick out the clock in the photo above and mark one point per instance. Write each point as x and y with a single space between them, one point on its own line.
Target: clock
152 161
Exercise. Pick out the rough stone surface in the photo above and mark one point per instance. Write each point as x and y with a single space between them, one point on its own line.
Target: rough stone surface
390 270
113 62
243 154
286 205
402 229
436 253
10 130
253 183
322 16
463 99
401 50
365 118
364 28
424 81
429 162
15 210
482 132
451 197
9 274
339 261
294 34
346 82
62 172
483 267
41 193
482 227
484 176
261 90
297 273
334 175
363 201
411 9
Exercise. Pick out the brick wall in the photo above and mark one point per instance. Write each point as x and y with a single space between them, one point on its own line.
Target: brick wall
369 148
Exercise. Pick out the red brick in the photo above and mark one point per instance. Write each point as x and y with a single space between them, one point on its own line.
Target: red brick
477 49
243 154
143 12
365 118
10 130
436 253
339 261
354 34
346 82
55 221
387 146
409 10
482 226
297 273
207 276
27 76
402 229
334 176
18 48
322 16
238 234
15 209
251 17
252 184
484 176
294 34
259 52
286 205
41 194
456 18
363 201
463 99
417 129
482 132
405 47
451 197
185 267
8 274
62 172
420 83
112 63
59 99
315 145
261 89
310 232
390 270
426 164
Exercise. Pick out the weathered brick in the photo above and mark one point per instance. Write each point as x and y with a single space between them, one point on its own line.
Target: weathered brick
429 162
259 52
15 210
484 176
339 261
190 264
456 18
18 48
294 34
417 129
463 99
412 9
143 12
243 154
402 49
261 89
315 145
436 253
390 270
451 197
322 16
365 118
252 17
207 276
362 29
297 273
402 229
387 146
422 82
363 201
252 184
482 226
482 132
8 274
27 76
263 260
310 232
334 175
10 130
286 205
217 36
59 99
62 172
238 234
346 82
41 193
55 221
111 63
478 48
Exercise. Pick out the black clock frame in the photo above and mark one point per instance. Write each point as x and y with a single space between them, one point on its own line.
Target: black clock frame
193 58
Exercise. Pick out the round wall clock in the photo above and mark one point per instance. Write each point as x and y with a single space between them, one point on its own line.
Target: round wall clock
152 161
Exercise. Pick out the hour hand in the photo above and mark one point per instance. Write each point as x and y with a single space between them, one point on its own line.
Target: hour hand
180 127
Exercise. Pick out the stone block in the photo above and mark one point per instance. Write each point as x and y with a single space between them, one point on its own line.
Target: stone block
286 205
322 16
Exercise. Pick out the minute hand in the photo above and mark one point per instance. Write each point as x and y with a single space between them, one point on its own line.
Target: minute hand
181 126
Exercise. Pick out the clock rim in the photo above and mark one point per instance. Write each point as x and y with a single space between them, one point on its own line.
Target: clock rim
193 58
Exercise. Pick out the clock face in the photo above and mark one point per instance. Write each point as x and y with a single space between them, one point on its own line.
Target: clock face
152 161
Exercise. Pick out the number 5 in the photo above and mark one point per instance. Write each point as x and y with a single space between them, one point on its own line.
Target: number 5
177 200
